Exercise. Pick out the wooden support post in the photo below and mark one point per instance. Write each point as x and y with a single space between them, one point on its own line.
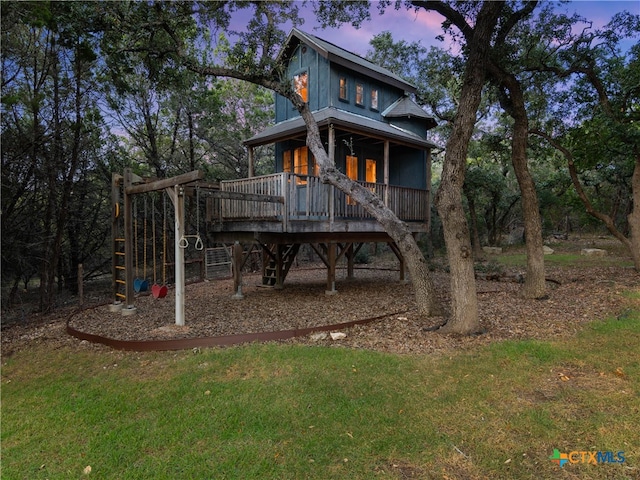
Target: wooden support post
331 188
80 284
279 267
128 244
350 260
251 167
237 271
331 269
176 194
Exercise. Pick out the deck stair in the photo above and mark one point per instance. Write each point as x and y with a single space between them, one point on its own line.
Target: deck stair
276 262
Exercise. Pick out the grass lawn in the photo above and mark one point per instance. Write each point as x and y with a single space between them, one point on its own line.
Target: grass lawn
297 412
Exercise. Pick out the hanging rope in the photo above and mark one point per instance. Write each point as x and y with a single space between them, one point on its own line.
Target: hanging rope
153 239
184 242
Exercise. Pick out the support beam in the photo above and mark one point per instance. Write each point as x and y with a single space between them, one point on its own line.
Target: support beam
165 183
238 262
331 269
176 194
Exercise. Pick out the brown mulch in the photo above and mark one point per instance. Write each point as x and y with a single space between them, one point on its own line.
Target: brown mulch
575 296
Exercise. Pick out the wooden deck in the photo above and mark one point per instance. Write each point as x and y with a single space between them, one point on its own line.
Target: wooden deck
290 203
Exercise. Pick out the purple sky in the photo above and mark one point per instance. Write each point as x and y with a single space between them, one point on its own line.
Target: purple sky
424 27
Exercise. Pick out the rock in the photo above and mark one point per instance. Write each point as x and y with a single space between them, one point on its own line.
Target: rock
338 335
318 336
593 252
547 250
492 250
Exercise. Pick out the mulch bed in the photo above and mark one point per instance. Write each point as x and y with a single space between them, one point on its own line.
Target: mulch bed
574 297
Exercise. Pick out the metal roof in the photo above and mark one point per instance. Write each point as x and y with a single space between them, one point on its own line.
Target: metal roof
405 107
347 59
346 120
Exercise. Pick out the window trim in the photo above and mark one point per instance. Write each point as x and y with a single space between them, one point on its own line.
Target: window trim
343 82
359 100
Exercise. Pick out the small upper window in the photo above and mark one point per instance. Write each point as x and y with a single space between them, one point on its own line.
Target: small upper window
359 94
374 99
343 88
301 85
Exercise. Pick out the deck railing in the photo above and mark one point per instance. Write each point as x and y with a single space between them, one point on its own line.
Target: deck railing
307 198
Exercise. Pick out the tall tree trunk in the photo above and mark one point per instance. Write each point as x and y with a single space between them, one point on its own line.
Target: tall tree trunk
634 217
512 101
535 283
473 216
464 301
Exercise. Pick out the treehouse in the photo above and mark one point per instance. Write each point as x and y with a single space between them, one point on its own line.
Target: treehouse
373 132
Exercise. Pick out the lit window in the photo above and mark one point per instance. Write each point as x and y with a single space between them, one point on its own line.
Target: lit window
352 173
301 85
374 99
359 94
370 170
301 161
343 88
286 161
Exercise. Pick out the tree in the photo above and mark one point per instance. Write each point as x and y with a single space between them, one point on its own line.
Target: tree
51 133
600 82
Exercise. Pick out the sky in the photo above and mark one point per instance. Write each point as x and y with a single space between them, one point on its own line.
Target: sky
425 26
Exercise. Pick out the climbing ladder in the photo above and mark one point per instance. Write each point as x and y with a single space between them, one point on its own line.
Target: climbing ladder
120 269
276 262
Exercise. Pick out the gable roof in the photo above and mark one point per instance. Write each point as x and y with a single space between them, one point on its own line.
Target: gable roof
405 107
340 56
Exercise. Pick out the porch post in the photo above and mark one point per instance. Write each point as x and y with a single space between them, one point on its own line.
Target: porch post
250 174
386 172
332 158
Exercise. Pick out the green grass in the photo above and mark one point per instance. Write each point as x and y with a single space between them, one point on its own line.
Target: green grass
292 412
566 260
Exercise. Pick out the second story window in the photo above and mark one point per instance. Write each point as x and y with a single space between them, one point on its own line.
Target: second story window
359 94
301 85
343 89
374 99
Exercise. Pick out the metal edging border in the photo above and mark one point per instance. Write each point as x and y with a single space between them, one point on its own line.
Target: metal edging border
218 341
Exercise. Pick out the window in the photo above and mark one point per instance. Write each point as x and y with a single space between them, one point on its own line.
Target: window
370 170
301 85
359 94
374 99
352 173
301 161
286 161
343 89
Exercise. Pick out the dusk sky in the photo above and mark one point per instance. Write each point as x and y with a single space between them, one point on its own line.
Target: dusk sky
424 27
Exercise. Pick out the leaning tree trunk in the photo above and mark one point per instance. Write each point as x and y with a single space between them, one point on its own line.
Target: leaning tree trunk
416 264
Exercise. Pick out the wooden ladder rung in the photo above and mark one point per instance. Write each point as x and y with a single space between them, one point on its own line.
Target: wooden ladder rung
121 282
120 295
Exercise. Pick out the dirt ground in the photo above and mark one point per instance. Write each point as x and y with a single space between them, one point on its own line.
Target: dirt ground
575 295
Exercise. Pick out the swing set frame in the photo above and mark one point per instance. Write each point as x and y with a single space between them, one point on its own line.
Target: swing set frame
131 184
